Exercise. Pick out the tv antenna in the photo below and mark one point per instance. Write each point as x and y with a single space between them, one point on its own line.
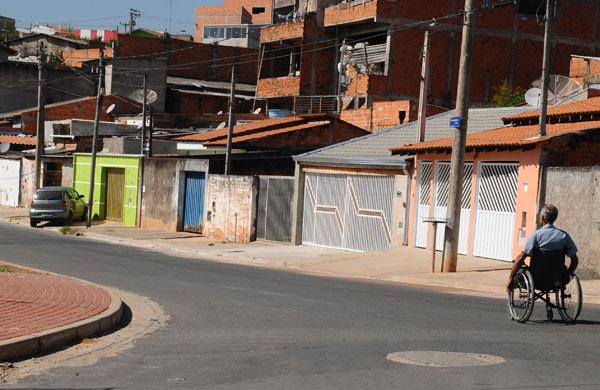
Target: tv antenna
560 89
4 147
138 96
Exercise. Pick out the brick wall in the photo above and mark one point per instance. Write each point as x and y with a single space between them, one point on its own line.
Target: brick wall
386 114
191 59
281 31
231 12
347 13
574 150
78 109
362 117
231 208
279 86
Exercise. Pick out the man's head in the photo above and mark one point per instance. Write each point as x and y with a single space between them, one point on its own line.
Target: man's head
549 214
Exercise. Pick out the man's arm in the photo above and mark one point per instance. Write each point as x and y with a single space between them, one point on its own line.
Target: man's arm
519 261
573 264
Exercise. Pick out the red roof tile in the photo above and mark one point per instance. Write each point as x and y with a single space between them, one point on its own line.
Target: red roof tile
18 140
504 137
246 128
579 107
269 133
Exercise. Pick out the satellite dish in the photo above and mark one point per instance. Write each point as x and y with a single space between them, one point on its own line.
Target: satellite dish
4 147
220 113
533 97
561 89
222 125
111 108
258 110
138 96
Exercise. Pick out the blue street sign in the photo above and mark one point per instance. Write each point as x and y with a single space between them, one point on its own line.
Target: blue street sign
455 122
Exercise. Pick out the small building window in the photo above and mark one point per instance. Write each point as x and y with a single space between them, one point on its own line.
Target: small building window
214 32
258 10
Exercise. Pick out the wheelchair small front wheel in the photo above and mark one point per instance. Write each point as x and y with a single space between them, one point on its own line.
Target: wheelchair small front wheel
521 296
569 300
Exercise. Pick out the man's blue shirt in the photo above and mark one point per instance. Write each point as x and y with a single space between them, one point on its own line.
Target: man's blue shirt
550 238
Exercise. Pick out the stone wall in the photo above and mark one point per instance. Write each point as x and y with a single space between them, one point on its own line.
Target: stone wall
576 193
231 208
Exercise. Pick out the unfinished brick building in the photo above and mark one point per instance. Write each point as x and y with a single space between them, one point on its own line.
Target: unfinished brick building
351 54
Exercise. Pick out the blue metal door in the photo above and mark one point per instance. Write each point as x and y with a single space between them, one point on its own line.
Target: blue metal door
194 202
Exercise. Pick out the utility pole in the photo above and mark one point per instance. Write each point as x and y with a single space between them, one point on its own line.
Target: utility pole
133 15
550 7
99 99
144 114
231 121
41 117
423 94
460 139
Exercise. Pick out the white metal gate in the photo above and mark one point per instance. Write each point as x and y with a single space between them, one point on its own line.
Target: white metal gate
496 205
10 182
442 190
423 201
348 212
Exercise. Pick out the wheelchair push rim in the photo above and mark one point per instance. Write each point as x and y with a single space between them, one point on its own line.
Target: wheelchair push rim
521 296
569 300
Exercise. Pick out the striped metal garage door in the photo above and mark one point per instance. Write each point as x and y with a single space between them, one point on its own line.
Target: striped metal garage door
348 212
442 190
496 206
425 175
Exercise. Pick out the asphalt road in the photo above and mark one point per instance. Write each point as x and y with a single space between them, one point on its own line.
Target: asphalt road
234 327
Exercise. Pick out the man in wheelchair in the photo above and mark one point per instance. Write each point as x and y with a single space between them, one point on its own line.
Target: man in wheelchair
546 273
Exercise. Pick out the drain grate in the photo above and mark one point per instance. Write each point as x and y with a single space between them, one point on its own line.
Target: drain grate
444 359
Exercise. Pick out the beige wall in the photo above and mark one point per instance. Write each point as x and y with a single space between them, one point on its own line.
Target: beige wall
231 208
576 193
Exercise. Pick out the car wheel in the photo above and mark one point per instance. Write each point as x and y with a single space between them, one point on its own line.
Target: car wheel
84 214
69 219
33 222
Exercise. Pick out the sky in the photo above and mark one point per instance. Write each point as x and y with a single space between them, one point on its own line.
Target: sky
104 14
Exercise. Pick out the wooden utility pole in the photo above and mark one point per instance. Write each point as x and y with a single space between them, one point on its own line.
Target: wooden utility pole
231 121
550 5
99 99
423 94
460 124
144 115
41 117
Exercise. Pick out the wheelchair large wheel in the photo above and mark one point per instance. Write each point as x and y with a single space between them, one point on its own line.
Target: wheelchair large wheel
521 296
569 300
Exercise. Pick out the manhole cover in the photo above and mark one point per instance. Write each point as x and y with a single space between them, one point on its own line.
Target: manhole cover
444 359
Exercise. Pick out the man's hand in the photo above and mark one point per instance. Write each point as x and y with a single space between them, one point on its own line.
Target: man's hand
518 263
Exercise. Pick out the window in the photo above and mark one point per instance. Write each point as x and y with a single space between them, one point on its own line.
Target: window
258 10
532 7
236 32
214 32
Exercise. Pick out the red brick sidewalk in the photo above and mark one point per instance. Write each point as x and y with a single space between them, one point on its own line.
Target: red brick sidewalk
31 303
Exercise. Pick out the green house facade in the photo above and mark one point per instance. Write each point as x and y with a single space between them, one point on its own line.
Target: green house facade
116 185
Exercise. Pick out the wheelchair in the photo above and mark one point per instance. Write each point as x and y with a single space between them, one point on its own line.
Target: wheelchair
544 279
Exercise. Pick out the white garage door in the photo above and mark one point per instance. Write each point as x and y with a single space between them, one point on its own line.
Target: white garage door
423 201
10 171
348 212
496 205
442 190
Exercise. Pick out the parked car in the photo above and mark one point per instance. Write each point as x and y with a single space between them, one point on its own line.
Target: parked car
61 204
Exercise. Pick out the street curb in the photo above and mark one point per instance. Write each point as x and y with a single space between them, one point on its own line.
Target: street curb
50 340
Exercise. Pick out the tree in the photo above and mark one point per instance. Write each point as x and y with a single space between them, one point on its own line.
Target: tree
507 95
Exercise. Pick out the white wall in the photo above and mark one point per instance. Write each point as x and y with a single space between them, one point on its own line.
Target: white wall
10 171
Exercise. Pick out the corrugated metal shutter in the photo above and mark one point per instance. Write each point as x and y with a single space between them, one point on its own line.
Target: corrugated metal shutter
375 54
194 202
274 219
348 212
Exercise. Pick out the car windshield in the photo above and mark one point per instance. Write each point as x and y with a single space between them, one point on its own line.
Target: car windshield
49 195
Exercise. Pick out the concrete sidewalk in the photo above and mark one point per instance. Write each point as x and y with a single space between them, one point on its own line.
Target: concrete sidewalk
401 265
